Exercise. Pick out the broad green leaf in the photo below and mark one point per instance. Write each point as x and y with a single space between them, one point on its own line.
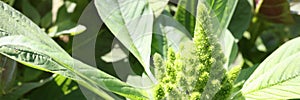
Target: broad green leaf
278 76
131 22
230 49
158 6
42 6
276 11
241 18
218 7
25 42
140 81
46 20
30 11
223 10
168 33
246 73
30 74
186 13
62 13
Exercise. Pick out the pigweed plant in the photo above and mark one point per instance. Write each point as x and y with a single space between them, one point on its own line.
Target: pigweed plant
187 77
186 50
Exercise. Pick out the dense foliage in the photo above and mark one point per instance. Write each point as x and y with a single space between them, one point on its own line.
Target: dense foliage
149 49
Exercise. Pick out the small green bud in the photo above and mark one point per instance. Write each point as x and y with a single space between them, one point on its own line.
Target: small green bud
171 55
188 76
171 72
233 73
225 90
159 92
228 83
178 63
202 80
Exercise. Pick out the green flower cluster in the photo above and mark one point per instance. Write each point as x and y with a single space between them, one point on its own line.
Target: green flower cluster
169 74
199 71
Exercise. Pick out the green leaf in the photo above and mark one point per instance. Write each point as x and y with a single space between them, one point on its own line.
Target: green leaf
218 7
25 42
168 33
278 76
31 74
229 48
131 22
140 81
241 18
30 11
62 13
186 13
158 6
46 21
246 73
223 10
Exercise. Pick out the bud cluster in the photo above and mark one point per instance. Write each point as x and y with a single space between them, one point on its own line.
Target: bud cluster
186 75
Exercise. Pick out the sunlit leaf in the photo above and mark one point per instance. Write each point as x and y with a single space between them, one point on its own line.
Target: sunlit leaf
186 13
278 76
168 33
223 10
131 22
158 6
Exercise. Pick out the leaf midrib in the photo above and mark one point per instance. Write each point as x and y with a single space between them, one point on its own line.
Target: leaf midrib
274 84
278 82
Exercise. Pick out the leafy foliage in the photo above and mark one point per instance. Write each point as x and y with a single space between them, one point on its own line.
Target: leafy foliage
31 46
275 74
130 17
201 49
